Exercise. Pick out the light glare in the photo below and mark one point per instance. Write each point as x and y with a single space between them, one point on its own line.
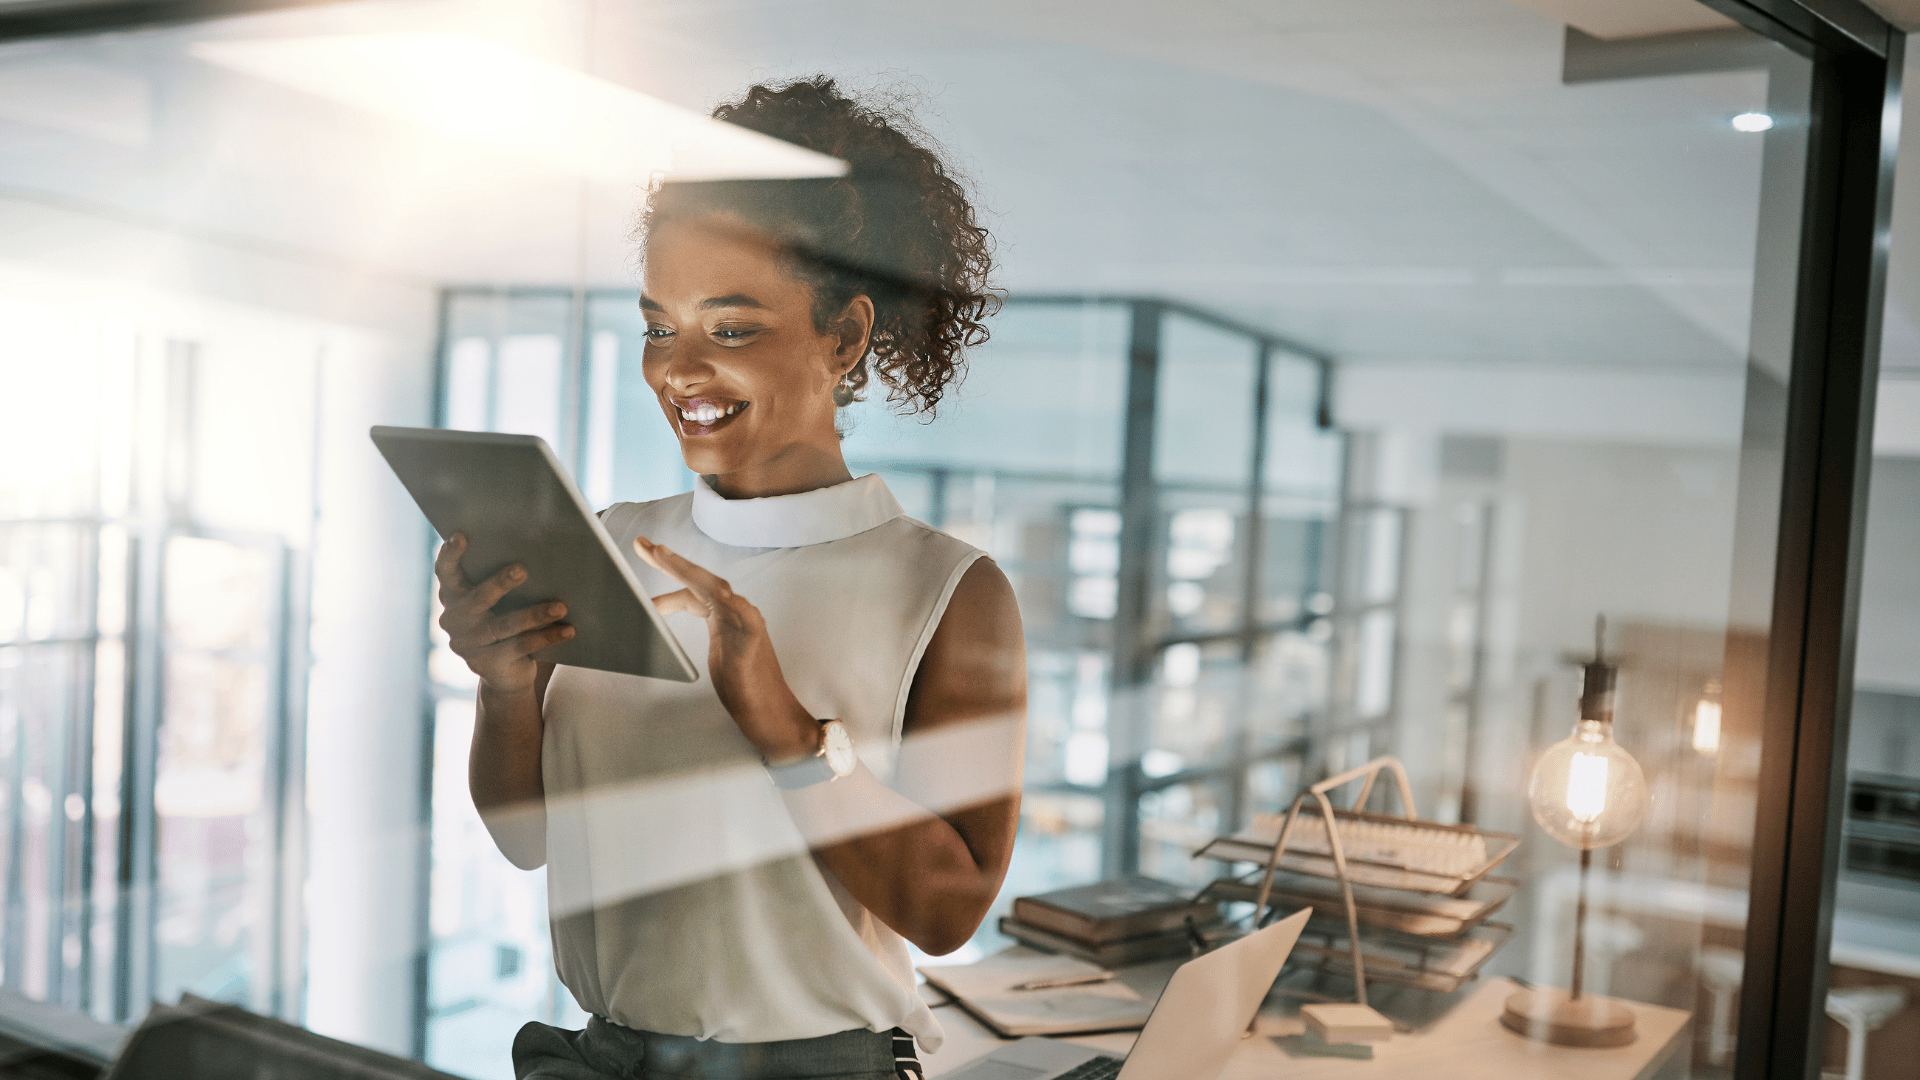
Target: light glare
1706 726
1752 121
1587 787
466 88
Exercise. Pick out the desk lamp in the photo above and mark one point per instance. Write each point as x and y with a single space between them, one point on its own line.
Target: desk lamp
1586 792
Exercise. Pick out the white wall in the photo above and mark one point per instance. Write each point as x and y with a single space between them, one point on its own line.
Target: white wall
1888 656
1694 407
368 710
1640 533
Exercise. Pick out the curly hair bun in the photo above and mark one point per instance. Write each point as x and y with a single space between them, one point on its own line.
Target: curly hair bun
898 228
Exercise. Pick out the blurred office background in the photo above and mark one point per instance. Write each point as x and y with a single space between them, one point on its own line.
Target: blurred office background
1357 356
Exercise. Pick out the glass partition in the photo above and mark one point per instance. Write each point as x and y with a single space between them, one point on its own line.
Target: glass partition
1357 360
1876 951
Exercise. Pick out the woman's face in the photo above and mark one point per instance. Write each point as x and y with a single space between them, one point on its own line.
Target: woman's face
733 357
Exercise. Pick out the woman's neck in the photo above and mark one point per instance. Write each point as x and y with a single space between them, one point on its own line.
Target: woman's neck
796 469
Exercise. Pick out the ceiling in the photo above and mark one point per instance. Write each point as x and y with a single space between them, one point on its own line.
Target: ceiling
1615 19
1392 180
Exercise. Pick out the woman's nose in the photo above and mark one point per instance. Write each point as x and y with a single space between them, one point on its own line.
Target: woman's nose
686 372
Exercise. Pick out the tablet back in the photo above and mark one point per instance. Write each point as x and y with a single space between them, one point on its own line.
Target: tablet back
511 498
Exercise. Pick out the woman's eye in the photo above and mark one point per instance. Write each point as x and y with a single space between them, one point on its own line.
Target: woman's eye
658 333
733 333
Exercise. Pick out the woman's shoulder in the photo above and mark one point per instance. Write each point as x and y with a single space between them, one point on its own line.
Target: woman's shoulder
911 557
921 539
647 517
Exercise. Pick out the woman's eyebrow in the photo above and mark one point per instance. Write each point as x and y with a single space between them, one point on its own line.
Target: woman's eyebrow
648 303
730 300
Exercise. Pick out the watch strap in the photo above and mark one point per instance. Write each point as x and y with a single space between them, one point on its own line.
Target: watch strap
815 768
806 772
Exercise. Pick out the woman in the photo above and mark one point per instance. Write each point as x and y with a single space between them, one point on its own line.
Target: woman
736 865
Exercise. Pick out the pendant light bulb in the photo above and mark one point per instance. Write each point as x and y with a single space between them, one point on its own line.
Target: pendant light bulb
1587 792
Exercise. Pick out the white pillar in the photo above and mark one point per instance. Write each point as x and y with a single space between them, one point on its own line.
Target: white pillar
367 703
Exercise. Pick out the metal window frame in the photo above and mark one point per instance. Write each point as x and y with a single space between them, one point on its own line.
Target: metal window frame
1842 257
67 18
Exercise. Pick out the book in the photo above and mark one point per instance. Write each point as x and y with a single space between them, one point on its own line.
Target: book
1106 911
1134 950
985 989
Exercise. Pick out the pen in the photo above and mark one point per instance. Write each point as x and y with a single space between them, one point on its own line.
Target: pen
1065 980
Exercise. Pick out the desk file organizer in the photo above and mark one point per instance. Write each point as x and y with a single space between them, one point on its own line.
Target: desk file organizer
1414 895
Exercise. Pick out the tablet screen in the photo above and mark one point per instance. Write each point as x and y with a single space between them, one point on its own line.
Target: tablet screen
514 502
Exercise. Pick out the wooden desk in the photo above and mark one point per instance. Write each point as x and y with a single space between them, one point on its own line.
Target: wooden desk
1467 1044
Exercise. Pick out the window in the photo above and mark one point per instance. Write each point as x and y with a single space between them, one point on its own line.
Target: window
1357 359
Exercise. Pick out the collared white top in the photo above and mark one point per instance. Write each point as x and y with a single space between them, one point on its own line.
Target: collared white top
683 897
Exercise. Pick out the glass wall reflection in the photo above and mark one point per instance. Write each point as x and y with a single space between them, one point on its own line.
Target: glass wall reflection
1355 361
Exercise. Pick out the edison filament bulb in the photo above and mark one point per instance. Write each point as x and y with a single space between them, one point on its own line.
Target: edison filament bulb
1587 792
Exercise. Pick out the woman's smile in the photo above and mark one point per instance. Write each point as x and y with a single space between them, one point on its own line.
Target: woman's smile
705 415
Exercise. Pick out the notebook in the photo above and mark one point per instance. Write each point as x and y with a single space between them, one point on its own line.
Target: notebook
985 989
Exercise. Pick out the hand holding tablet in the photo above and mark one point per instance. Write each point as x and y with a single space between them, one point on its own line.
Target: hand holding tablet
498 647
513 506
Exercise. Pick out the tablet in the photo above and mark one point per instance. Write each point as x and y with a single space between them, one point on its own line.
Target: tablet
515 503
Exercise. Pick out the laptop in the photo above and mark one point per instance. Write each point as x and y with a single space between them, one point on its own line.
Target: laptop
1193 1030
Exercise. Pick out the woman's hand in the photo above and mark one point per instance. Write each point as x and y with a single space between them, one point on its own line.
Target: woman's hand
740 657
499 648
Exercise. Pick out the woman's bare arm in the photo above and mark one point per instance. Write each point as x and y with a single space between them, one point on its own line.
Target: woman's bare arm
927 855
503 770
932 880
503 766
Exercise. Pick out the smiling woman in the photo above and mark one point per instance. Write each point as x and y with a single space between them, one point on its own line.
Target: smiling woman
736 866
720 301
897 229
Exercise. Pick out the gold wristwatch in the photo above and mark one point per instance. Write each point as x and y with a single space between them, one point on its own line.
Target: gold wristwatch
834 759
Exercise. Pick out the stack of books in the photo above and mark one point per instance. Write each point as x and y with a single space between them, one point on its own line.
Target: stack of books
1130 920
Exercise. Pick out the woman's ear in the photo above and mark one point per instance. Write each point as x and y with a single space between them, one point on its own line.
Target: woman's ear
852 332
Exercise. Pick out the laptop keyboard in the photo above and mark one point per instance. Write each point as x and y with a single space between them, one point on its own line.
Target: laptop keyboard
1100 1068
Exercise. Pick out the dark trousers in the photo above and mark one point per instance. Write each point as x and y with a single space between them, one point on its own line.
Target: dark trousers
607 1051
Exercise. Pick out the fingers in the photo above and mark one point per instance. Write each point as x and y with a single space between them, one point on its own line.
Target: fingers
523 644
503 627
456 589
704 583
479 630
488 593
681 600
446 565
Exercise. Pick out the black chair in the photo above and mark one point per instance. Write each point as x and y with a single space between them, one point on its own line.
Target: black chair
206 1040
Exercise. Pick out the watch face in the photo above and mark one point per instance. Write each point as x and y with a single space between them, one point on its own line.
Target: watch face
838 747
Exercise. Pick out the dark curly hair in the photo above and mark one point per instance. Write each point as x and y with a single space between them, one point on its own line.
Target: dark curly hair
897 227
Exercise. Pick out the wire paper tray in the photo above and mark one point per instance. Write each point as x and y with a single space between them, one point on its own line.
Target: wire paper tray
1426 915
1381 851
1420 963
1372 856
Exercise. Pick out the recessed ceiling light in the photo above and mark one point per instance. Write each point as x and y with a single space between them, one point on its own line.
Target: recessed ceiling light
1752 121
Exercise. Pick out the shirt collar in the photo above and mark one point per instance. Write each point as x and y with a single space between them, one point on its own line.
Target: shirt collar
797 520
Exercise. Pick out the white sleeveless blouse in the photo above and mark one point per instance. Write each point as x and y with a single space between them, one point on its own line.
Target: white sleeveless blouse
683 897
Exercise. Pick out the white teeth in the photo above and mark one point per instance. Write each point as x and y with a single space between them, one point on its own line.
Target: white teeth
707 414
